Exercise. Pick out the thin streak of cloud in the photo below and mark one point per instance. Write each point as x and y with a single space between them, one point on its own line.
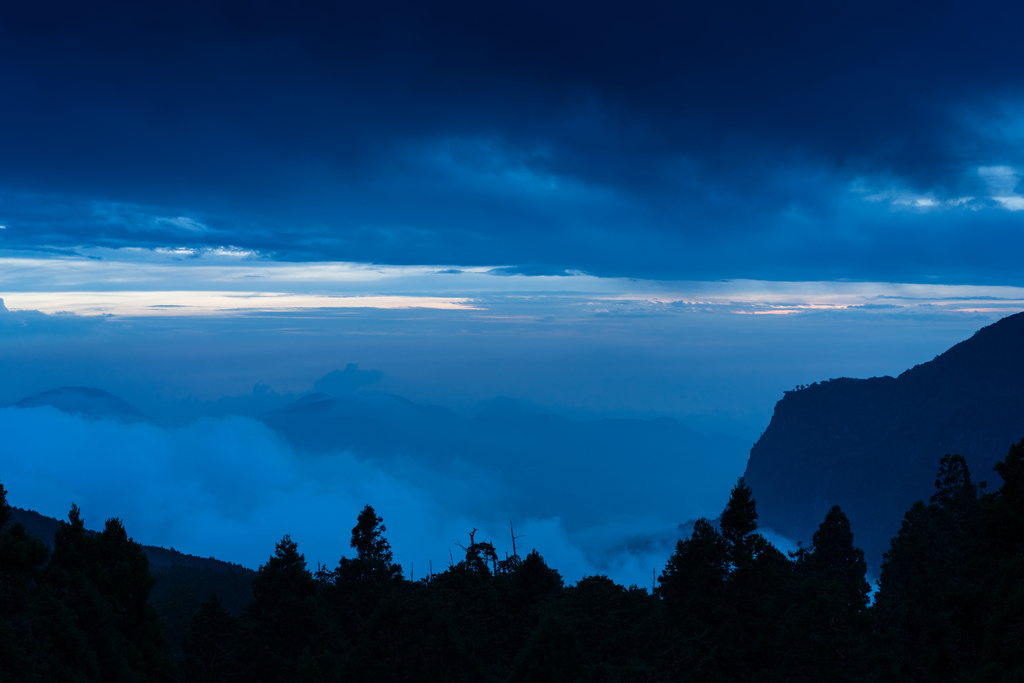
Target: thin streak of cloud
207 303
221 283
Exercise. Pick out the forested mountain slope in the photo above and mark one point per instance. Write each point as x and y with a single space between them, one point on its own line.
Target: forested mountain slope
43 528
873 445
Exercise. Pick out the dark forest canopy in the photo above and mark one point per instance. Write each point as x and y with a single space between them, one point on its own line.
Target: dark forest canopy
728 606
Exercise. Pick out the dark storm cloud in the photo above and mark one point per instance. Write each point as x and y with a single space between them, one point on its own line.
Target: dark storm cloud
668 139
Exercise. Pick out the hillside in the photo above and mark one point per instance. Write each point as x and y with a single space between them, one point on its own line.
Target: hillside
873 446
43 528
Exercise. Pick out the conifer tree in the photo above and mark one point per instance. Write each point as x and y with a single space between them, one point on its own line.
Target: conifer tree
930 601
211 651
368 538
828 627
355 588
287 631
104 579
5 508
739 520
835 563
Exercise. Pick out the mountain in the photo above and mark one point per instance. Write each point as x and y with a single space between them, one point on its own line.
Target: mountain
182 582
579 470
873 446
93 404
43 528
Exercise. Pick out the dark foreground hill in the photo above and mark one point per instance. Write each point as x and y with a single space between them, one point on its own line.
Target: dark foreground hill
183 581
873 446
43 528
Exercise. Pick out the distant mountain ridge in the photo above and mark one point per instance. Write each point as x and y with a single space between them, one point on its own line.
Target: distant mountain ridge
92 404
873 446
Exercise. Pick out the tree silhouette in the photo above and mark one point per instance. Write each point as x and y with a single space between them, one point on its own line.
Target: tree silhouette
287 629
826 630
368 538
211 651
739 520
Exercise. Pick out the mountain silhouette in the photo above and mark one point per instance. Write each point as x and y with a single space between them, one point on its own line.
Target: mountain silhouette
43 528
92 404
872 446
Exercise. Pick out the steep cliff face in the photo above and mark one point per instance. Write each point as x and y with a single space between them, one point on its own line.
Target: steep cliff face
873 446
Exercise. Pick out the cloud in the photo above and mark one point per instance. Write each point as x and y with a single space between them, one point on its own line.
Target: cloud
212 303
662 140
1001 180
348 380
1002 183
230 488
184 223
140 282
783 543
1011 203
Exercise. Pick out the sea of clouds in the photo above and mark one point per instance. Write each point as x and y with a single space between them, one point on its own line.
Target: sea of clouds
230 488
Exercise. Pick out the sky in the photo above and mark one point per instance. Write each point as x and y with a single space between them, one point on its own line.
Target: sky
660 209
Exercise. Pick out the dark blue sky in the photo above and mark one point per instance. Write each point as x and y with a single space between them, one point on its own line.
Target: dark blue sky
864 140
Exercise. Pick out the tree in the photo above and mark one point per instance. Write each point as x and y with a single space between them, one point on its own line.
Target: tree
287 631
368 538
1003 517
827 630
409 638
481 556
933 592
211 651
104 579
724 593
696 606
1005 521
5 509
25 643
553 654
616 629
739 520
694 576
953 488
355 588
833 562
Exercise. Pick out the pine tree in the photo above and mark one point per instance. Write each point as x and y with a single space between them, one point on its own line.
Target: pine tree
355 588
5 508
739 520
834 562
286 629
932 595
828 628
368 538
211 652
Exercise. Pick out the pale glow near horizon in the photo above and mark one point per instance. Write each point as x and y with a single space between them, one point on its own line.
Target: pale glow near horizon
146 283
202 303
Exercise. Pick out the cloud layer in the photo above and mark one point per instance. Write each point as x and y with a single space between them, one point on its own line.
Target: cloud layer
693 140
230 488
